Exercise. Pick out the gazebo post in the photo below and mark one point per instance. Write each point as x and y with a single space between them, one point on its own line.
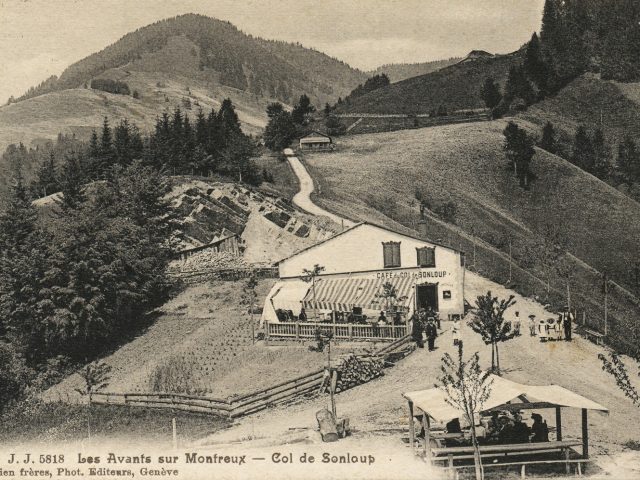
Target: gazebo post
585 434
426 426
558 424
412 429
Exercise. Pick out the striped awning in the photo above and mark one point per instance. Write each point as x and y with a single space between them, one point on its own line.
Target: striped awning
342 294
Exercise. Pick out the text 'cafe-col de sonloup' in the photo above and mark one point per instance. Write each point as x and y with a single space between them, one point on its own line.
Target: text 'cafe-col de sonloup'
368 269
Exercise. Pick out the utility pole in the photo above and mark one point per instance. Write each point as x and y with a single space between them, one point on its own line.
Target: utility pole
606 299
510 259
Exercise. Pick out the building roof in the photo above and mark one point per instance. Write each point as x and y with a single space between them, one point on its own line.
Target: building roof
504 394
314 135
358 225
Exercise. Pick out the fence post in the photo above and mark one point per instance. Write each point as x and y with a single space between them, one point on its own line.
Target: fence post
350 331
297 331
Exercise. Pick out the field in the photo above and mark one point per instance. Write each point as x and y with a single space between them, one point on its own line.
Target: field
376 177
206 331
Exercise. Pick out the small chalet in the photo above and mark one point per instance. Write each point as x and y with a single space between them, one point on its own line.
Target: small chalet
316 141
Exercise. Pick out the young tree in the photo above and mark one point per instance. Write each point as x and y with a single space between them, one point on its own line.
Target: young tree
309 276
250 299
548 140
389 296
615 366
490 92
534 64
601 155
490 324
334 126
47 181
467 388
96 377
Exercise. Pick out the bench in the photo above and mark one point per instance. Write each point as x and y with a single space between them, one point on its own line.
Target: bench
448 455
596 337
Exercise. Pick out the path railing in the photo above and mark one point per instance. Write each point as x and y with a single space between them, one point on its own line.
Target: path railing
340 331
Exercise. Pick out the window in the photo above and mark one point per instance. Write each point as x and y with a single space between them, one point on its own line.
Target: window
391 254
426 257
446 294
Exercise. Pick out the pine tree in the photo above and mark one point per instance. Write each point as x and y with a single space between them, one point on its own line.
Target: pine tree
582 155
628 160
274 109
229 118
301 110
601 155
72 183
279 132
122 143
47 182
519 147
548 140
490 93
534 65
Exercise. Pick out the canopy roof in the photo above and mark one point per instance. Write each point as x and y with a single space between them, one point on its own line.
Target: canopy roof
505 394
289 295
342 294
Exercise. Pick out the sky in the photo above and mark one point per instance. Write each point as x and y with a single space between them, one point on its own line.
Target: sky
39 38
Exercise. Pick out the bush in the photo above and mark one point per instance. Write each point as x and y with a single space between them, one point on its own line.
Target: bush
111 86
175 375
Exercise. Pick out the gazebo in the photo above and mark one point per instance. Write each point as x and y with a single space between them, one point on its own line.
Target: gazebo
505 395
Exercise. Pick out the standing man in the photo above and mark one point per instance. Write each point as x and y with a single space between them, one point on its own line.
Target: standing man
432 333
517 322
532 325
416 330
567 323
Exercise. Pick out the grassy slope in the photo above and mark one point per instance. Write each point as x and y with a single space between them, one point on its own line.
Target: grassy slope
465 164
401 71
592 102
457 87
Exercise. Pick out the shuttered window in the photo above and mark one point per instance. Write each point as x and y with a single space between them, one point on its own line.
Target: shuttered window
391 254
426 257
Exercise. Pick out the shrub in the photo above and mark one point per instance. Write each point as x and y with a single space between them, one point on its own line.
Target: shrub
175 375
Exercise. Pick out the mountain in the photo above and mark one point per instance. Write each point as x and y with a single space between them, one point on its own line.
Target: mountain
191 62
401 71
456 87
217 51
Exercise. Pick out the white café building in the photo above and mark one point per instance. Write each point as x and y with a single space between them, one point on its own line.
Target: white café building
357 263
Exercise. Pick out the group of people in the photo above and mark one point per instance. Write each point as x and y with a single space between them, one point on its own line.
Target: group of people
383 321
502 428
559 328
425 321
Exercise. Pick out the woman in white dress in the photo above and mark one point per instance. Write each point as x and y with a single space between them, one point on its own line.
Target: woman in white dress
455 330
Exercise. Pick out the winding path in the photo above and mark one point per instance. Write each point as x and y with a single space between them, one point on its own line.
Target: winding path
303 198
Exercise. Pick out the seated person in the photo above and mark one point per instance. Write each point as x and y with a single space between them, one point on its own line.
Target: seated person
454 426
505 434
520 432
382 320
397 319
303 316
539 429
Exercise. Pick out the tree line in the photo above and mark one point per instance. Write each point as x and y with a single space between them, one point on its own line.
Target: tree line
576 36
590 151
212 144
74 284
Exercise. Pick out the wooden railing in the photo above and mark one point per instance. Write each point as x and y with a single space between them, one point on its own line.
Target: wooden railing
340 331
237 406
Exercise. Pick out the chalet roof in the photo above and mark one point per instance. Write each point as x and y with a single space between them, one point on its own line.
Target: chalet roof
314 135
358 225
504 394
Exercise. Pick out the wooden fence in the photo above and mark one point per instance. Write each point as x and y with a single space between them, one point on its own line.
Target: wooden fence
235 406
340 331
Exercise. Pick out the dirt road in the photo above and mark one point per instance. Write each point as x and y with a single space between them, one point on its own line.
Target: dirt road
303 198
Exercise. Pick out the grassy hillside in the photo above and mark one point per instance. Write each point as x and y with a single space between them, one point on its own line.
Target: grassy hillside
463 165
592 102
401 71
223 52
456 86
